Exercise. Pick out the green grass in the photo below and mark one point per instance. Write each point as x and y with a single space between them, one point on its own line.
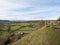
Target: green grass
3 28
44 36
3 33
17 27
27 29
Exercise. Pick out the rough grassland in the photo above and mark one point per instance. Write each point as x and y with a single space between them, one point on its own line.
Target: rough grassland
44 36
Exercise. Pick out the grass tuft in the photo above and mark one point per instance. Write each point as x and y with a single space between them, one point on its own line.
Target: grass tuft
44 36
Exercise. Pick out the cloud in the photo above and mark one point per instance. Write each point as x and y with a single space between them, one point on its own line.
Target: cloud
29 9
37 11
6 5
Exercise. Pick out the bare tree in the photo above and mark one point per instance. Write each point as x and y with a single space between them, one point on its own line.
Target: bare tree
59 19
9 28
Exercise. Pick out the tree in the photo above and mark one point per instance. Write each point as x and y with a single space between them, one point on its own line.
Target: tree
59 19
9 28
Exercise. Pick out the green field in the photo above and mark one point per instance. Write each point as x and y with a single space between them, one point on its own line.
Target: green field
47 35
17 27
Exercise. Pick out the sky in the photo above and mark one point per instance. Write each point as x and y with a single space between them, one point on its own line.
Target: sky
29 9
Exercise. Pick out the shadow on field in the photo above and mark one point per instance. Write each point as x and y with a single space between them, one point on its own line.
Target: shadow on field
11 38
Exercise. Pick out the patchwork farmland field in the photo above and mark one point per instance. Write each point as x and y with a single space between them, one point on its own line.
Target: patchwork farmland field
14 28
17 27
15 33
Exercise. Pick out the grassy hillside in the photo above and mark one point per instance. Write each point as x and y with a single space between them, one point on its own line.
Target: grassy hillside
44 36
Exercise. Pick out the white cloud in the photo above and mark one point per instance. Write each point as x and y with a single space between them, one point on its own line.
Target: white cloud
32 12
7 5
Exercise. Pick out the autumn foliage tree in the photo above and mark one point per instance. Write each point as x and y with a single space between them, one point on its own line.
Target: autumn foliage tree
59 19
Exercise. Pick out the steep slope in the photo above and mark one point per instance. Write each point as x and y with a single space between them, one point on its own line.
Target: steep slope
44 36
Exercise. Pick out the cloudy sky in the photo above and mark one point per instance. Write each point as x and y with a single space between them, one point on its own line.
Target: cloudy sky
29 9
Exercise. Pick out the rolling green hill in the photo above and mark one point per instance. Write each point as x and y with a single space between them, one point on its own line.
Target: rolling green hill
43 36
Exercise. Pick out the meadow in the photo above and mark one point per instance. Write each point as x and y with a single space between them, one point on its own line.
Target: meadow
30 33
15 28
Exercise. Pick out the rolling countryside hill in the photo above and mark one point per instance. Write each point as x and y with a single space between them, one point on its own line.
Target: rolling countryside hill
44 36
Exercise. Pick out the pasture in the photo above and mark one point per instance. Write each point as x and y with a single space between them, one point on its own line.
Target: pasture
11 33
15 28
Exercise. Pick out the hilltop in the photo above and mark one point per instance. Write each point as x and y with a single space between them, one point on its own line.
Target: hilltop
43 36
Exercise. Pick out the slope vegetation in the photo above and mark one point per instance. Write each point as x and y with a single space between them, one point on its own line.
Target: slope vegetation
44 36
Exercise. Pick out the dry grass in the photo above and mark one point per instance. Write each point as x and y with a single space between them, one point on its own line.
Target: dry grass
44 36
